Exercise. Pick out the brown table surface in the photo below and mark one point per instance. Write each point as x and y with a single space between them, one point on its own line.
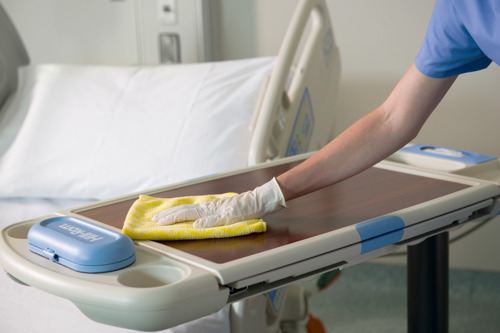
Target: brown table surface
372 193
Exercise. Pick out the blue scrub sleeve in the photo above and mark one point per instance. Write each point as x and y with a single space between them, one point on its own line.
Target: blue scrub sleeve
448 48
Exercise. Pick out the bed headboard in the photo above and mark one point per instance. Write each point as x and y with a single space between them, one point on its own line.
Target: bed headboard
12 56
295 113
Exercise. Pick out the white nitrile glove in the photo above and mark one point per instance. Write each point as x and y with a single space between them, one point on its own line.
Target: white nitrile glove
263 200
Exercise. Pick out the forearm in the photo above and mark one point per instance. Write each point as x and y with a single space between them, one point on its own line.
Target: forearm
362 145
369 140
372 138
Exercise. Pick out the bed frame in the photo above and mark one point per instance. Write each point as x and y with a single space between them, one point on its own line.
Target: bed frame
296 112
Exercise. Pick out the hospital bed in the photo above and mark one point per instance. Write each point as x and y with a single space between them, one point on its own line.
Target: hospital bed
394 204
66 131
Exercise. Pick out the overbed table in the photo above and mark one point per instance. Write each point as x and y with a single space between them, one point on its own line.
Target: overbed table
373 193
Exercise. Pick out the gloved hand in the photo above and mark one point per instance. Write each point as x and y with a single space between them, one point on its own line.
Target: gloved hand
263 200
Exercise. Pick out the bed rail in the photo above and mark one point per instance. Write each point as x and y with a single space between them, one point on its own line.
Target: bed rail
296 111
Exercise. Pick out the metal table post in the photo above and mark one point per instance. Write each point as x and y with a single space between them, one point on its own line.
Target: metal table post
428 285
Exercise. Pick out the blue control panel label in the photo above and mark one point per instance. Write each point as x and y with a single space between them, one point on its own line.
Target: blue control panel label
380 232
77 232
303 127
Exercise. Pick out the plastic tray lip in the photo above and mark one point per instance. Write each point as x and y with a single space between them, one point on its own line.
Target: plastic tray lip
105 290
80 245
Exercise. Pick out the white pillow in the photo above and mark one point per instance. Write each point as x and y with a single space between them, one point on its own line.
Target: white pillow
101 131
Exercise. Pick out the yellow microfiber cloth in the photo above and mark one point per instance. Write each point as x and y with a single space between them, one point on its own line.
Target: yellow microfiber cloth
138 224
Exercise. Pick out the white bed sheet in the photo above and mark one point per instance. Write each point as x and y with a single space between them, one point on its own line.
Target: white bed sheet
21 209
95 132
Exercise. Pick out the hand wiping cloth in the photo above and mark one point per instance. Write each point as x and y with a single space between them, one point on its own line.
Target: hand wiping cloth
200 217
139 224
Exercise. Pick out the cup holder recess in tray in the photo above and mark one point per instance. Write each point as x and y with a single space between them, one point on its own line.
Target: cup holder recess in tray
19 231
150 276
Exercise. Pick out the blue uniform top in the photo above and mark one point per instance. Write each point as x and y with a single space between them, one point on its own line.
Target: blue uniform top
463 36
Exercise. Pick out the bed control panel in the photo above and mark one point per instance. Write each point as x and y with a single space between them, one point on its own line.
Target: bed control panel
303 127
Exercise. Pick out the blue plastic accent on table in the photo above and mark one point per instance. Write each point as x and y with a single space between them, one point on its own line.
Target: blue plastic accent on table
380 232
274 299
81 245
448 153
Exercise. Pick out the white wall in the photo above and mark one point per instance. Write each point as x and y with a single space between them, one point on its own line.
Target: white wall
378 40
92 31
118 32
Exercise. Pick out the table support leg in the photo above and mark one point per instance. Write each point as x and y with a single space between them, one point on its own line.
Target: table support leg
428 285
